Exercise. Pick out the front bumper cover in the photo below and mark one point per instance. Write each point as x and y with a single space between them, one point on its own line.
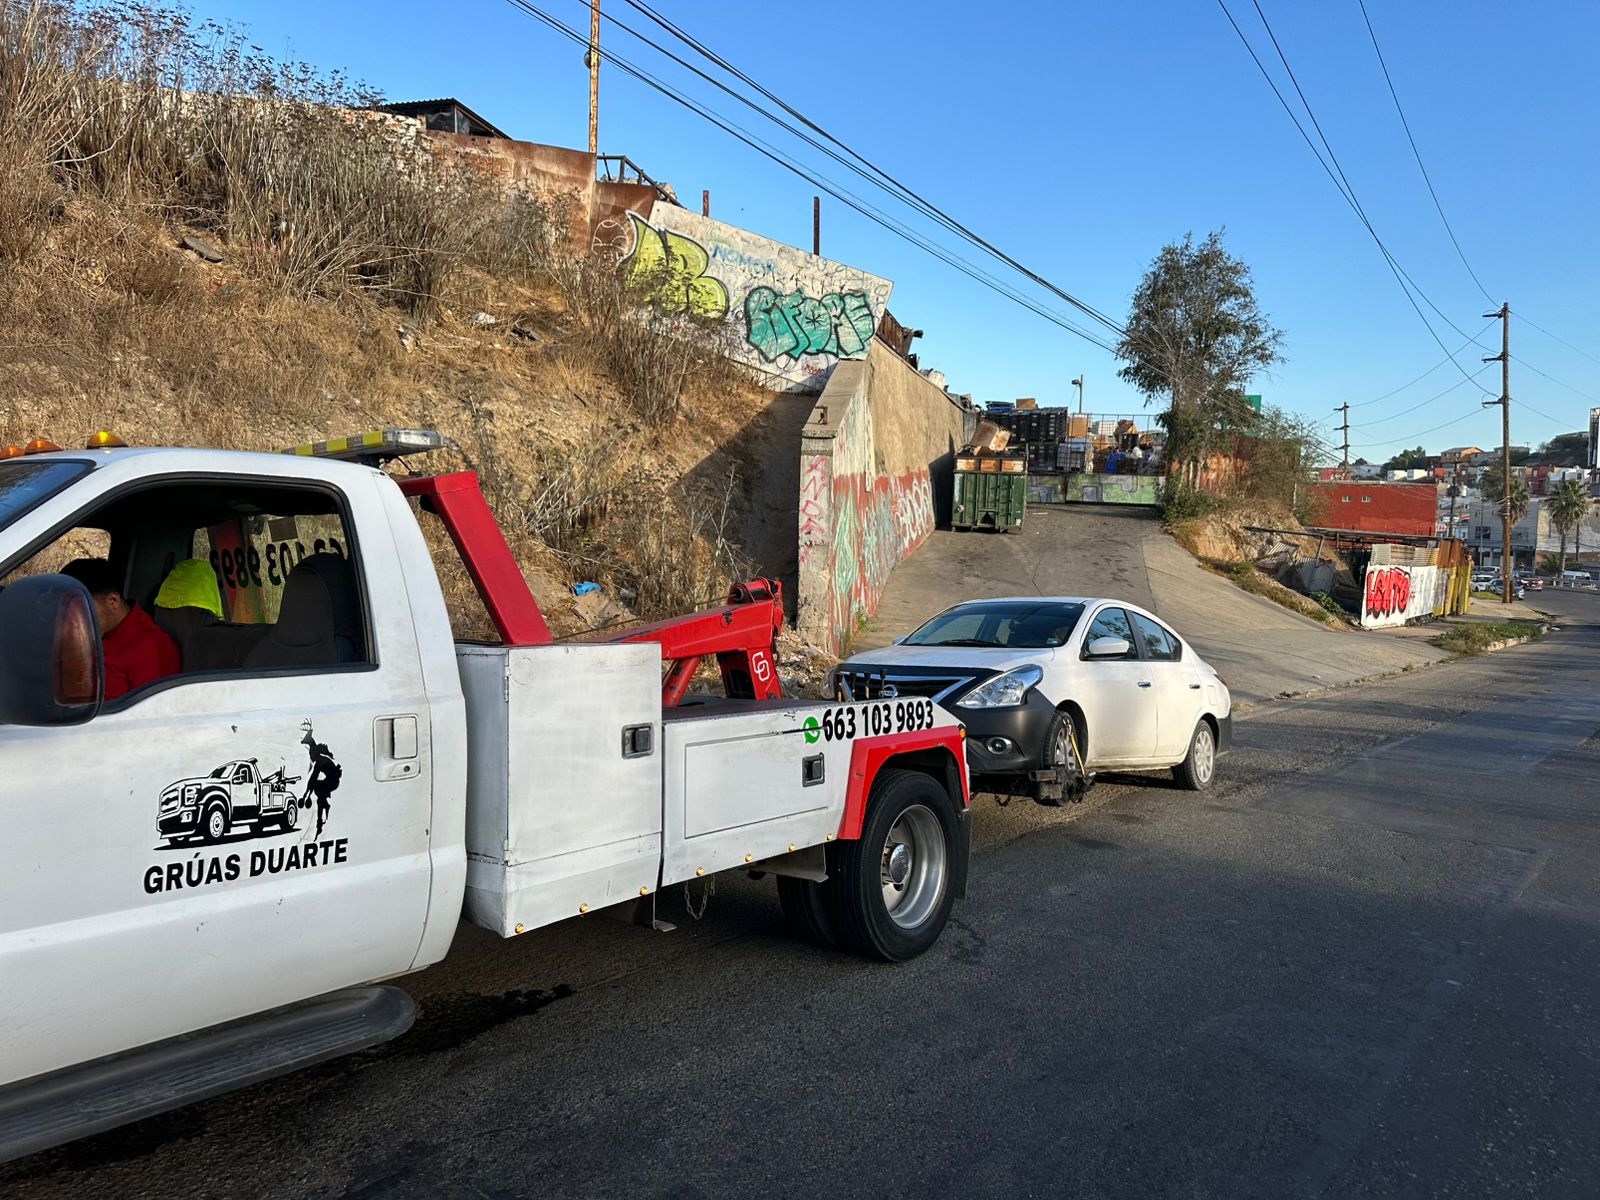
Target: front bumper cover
1026 726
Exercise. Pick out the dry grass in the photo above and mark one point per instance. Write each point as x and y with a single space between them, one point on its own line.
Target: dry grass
589 435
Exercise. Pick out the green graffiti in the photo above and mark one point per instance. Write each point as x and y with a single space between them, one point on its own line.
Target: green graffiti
840 324
669 270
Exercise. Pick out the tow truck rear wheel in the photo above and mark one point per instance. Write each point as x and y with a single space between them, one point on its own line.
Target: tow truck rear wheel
291 814
891 889
806 908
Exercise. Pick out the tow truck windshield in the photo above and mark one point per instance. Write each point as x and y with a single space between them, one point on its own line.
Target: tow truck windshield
26 484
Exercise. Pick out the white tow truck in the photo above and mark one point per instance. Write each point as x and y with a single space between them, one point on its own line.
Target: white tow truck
149 958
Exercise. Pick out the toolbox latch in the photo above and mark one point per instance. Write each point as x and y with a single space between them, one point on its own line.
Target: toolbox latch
638 741
813 770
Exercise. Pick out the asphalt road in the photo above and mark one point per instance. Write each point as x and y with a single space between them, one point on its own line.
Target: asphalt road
1262 649
1366 963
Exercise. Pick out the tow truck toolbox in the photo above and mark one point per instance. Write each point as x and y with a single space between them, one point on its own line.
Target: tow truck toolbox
233 858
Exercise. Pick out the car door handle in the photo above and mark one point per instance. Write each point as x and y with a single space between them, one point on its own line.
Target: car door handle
1194 687
1144 683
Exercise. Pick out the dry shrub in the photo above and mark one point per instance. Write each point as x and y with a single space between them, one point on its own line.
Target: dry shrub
679 557
654 358
285 165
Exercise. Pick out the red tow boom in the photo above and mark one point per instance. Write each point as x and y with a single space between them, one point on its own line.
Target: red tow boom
740 634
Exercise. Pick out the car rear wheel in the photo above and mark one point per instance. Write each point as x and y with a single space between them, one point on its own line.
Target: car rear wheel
1197 770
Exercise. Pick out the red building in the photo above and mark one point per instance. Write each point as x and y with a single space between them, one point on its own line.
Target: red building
1373 507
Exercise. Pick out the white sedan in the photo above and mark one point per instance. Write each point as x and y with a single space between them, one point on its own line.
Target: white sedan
1053 689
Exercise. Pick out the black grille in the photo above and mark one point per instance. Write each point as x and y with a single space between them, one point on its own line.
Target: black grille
867 684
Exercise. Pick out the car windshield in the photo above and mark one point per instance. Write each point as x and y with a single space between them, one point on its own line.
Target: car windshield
1012 624
26 484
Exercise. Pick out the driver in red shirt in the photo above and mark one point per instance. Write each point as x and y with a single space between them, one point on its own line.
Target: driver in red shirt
137 651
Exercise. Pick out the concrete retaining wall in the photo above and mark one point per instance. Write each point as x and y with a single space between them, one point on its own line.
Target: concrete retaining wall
875 475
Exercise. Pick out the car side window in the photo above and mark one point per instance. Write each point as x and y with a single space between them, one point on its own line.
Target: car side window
1111 622
1159 643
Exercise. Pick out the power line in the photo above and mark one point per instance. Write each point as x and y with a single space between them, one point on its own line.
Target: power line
1419 436
1343 188
1441 395
878 175
834 190
1425 374
1555 381
1417 154
1562 340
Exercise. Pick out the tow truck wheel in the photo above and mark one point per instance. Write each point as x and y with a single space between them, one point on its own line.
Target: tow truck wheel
891 889
291 813
214 822
806 908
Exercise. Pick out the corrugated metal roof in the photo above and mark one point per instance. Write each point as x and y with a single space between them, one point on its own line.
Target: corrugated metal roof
417 108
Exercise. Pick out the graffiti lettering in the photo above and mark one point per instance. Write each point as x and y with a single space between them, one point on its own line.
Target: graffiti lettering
1388 591
839 325
669 270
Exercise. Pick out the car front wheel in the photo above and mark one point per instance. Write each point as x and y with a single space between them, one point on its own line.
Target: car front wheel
1197 770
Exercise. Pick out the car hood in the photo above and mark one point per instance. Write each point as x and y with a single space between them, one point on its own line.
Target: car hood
960 657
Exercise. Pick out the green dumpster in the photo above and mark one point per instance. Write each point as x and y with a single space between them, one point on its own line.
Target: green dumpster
991 492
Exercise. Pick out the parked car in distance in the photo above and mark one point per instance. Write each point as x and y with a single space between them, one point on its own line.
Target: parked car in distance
1497 586
1053 689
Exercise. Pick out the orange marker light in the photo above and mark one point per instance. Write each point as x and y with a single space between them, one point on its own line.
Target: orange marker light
104 441
40 446
11 452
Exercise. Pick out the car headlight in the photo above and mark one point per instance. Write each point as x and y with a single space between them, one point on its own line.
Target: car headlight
1003 691
191 793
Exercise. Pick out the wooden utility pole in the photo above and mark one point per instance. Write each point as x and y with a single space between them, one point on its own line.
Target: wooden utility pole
1504 359
1345 429
593 58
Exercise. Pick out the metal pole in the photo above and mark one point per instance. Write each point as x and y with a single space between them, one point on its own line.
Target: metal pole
1504 359
705 202
594 76
816 226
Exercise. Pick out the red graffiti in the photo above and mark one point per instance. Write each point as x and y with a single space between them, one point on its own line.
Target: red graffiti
1388 591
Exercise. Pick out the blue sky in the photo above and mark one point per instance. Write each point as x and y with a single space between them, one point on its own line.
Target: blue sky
1080 138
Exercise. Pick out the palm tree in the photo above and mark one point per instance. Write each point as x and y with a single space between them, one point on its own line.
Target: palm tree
1492 486
1569 504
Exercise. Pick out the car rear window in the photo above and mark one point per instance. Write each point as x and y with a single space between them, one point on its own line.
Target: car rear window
1017 625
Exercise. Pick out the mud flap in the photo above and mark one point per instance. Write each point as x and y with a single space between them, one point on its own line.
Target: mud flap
963 853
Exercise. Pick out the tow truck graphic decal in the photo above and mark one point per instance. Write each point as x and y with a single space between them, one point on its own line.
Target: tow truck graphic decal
240 801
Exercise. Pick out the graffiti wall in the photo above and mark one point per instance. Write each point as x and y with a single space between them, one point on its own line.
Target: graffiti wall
788 314
1392 595
875 461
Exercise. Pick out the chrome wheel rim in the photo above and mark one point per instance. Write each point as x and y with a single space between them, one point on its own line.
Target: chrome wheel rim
913 868
1205 754
217 825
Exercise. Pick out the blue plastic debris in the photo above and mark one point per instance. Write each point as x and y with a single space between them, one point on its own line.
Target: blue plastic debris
583 589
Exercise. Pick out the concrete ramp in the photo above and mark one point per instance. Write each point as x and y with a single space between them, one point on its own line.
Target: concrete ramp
1261 648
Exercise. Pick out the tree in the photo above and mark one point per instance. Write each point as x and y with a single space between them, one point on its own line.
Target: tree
1493 486
1569 505
1407 459
1196 336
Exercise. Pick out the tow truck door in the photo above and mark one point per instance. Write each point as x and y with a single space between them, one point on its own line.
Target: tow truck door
121 925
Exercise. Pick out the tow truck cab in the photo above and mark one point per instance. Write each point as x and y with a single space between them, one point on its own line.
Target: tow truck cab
517 783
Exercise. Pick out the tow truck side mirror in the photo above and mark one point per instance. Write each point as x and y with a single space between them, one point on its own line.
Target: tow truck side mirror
52 666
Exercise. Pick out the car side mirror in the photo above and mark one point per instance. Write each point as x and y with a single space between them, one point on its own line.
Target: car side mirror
1109 647
52 666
